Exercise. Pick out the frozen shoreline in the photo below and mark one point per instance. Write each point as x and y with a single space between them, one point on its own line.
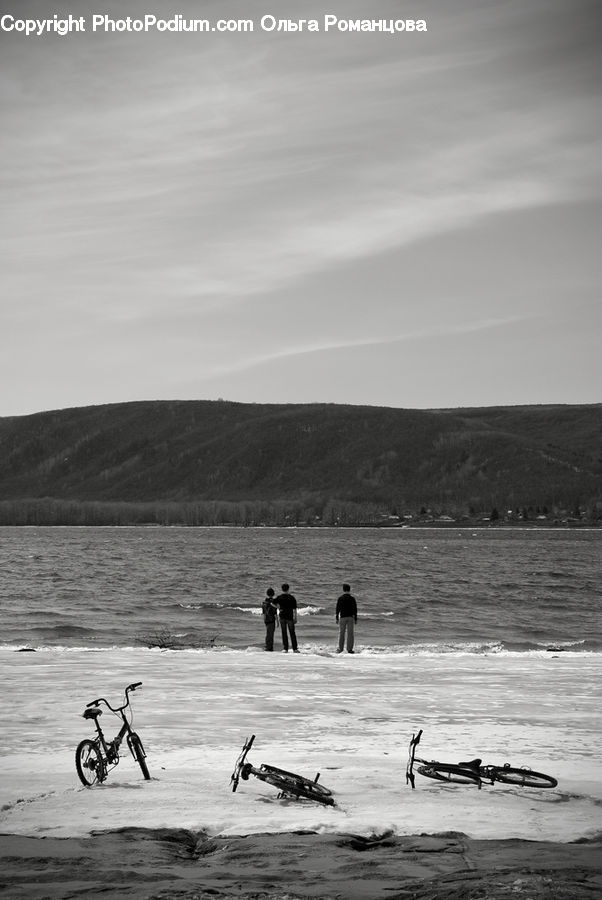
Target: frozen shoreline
186 835
349 718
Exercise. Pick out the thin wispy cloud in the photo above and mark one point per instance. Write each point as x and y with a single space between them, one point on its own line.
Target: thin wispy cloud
282 354
252 196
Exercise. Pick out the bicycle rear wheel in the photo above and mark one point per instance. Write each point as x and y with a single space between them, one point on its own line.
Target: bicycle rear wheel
138 753
296 785
89 763
450 772
523 777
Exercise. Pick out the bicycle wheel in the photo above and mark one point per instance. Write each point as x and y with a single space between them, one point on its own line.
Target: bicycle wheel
135 745
89 763
297 785
450 772
306 783
523 777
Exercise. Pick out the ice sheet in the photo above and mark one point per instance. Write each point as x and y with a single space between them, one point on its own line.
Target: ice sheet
350 718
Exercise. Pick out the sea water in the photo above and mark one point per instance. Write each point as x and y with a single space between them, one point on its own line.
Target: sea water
487 640
418 590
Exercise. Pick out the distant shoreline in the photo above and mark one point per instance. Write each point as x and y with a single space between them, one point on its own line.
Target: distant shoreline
430 526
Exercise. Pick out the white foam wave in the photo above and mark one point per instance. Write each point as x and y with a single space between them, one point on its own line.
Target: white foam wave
301 610
382 614
560 644
408 650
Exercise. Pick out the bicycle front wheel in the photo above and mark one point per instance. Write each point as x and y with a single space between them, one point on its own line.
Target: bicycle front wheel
138 753
89 763
296 785
449 772
523 777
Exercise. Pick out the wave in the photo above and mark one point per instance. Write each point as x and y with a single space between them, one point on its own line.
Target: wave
253 610
384 614
59 631
426 650
547 646
301 610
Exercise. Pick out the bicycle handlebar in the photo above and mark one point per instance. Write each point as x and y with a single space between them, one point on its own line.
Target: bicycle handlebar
130 687
415 740
410 778
240 762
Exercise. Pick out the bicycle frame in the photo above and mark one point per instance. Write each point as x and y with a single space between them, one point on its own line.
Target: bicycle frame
473 772
469 770
111 748
289 784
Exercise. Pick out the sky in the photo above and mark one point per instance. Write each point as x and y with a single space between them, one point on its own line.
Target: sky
408 220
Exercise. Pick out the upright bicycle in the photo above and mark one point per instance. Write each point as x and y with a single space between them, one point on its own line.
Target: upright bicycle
95 758
289 784
473 772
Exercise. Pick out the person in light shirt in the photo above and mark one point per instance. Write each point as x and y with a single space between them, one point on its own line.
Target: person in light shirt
346 618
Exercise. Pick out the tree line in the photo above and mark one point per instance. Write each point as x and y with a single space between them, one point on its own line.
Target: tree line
282 513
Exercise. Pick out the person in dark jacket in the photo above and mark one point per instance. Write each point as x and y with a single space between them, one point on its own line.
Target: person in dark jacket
287 608
346 617
269 610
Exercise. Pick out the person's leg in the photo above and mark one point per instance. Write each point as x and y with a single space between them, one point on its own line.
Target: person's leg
350 634
291 626
269 635
284 634
342 623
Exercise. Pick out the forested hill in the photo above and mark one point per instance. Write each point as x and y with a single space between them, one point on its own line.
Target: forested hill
309 457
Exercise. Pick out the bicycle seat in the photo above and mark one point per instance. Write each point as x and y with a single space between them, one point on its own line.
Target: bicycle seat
92 713
473 764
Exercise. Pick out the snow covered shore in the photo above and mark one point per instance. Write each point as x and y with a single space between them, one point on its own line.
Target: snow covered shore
350 718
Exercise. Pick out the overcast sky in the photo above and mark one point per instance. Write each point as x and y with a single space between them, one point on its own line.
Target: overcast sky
407 220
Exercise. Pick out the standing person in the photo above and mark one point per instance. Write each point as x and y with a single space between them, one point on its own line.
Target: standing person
269 610
287 607
346 617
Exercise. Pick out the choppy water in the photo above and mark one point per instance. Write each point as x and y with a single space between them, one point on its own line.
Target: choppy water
418 590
